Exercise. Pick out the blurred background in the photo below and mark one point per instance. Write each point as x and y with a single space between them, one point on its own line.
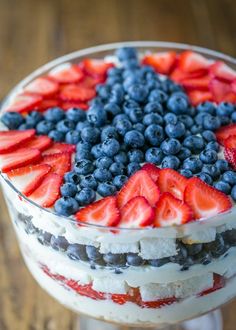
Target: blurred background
32 32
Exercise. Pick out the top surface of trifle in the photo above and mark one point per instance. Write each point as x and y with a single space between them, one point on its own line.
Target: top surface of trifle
130 141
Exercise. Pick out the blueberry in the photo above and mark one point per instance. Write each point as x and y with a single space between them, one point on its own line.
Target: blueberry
33 118
44 127
85 196
44 238
207 107
93 253
126 53
89 182
123 126
77 252
102 174
225 109
117 259
175 130
97 151
130 64
170 162
159 262
138 92
134 139
154 155
56 135
119 117
153 107
170 118
209 136
25 126
223 186
66 206
68 189
132 168
54 114
104 90
135 115
72 137
158 96
76 115
81 125
211 123
182 255
106 189
233 193
110 147
233 117
225 120
222 165
119 181
111 81
196 129
193 164
72 177
129 105
229 236
121 157
186 173
90 134
217 247
112 109
212 170
136 155
203 257
199 118
12 119
183 153
186 120
213 145
114 71
229 177
59 243
103 162
193 249
65 126
117 169
117 95
170 146
205 177
194 143
139 127
208 156
96 102
154 134
84 167
152 118
178 104
83 146
133 259
97 116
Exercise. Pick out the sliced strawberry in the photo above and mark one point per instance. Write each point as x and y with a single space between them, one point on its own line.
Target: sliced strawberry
59 147
197 97
27 179
136 213
222 71
205 200
230 142
11 140
158 303
76 93
18 158
201 83
69 104
233 86
171 211
60 162
91 82
152 170
139 184
230 156
171 181
24 103
190 61
48 191
120 299
230 97
38 142
96 67
85 290
42 86
224 132
46 104
219 282
178 75
103 212
66 73
162 62
219 89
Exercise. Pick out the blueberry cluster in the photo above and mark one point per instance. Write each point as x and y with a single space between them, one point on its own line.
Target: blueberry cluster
188 255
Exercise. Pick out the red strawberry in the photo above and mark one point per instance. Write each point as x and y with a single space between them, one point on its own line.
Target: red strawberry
103 212
91 82
60 162
205 200
224 132
66 73
230 142
69 104
120 299
219 89
222 71
233 86
197 97
11 140
42 86
158 303
27 179
152 170
190 61
178 75
46 104
48 191
201 83
219 282
139 184
59 147
24 103
171 211
230 156
76 93
136 213
38 142
96 67
171 181
230 97
85 290
18 158
162 62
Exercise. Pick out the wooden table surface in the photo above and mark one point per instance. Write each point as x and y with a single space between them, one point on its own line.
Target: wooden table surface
34 32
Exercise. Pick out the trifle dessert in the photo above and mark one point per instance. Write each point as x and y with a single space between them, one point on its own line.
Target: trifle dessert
118 168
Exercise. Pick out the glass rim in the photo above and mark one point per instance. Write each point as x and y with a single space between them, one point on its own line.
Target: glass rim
90 51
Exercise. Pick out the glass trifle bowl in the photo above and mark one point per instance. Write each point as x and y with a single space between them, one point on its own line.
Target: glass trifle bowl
137 277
